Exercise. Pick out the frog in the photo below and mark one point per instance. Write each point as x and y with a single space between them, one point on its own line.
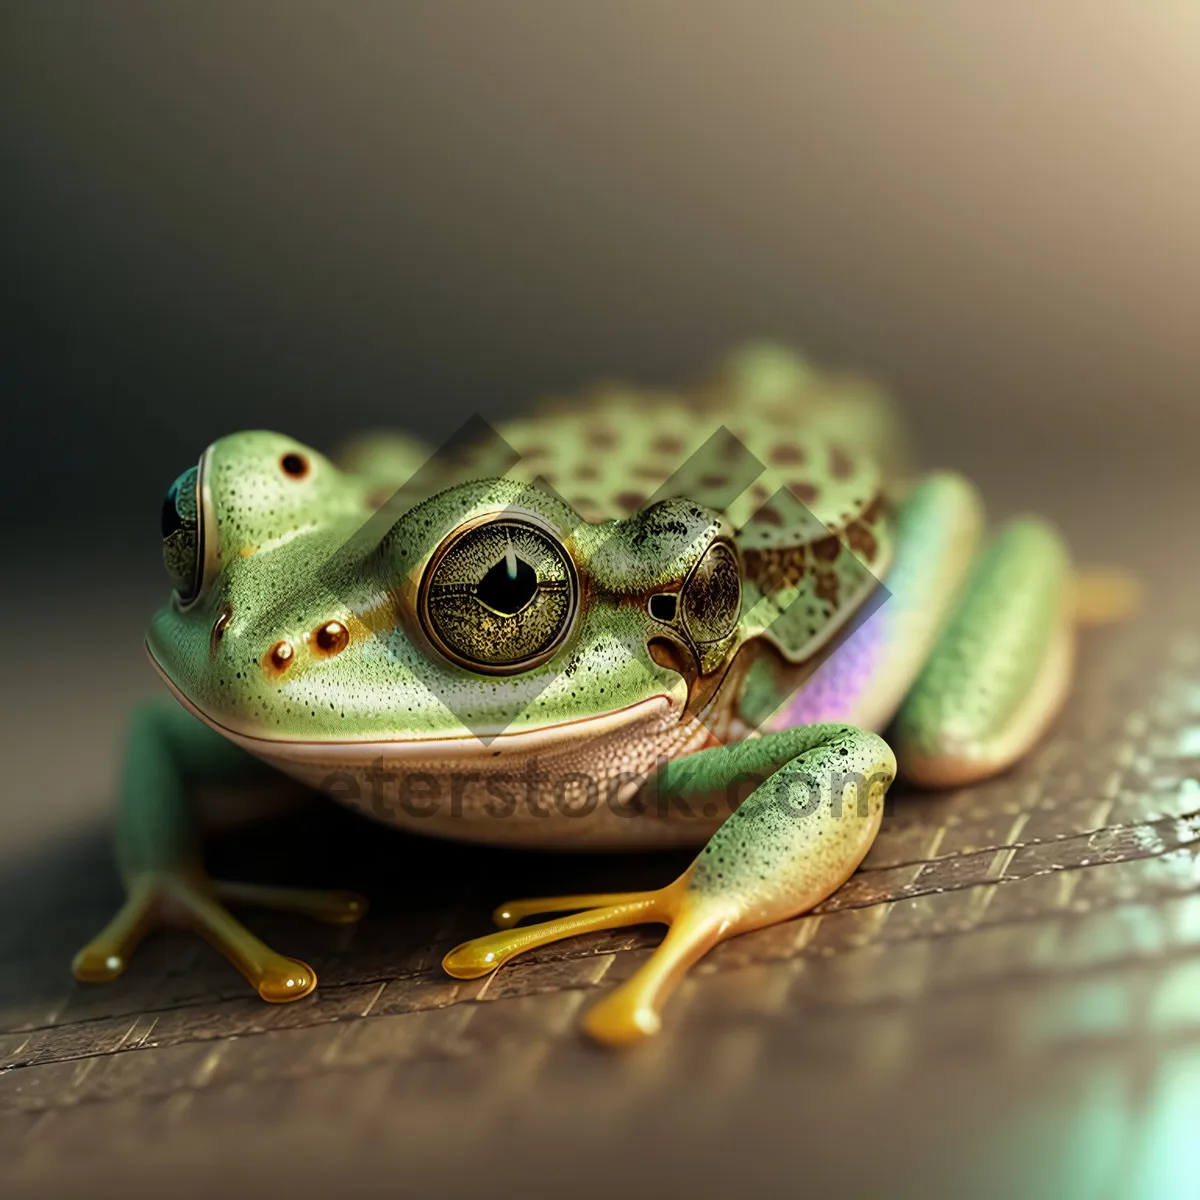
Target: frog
722 617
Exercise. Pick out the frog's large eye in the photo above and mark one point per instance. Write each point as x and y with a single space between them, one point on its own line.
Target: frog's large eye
181 535
190 543
712 596
499 596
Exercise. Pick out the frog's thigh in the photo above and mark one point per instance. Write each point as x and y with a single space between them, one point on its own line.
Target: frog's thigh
939 528
1001 668
159 854
794 840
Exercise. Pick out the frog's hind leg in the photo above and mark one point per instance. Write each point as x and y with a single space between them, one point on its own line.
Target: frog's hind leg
939 528
1001 668
793 841
159 855
973 652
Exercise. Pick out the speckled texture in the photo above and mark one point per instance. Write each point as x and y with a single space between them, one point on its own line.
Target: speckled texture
981 674
295 541
938 530
490 654
802 831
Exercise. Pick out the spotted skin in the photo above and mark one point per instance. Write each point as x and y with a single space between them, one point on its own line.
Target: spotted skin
690 578
1001 667
939 528
819 813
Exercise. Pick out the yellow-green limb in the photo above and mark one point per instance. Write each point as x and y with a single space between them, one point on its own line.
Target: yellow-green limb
814 807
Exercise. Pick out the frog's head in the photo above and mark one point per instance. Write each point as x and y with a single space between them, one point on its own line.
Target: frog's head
303 614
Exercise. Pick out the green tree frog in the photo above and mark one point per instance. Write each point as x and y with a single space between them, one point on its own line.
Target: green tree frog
633 619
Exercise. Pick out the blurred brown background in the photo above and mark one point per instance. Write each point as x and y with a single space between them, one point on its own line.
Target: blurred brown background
321 217
317 216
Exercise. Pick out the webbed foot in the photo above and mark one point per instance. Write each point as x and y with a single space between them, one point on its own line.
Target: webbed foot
185 900
632 1012
794 840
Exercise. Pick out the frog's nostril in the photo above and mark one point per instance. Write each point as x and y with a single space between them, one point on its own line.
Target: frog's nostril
295 465
218 629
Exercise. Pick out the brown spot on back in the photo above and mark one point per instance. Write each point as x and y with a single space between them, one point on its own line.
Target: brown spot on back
587 471
666 444
841 465
862 540
600 439
827 549
732 447
774 568
647 471
827 588
787 454
804 491
714 481
629 501
769 515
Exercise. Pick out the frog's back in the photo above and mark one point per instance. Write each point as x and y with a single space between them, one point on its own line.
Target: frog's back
796 458
825 436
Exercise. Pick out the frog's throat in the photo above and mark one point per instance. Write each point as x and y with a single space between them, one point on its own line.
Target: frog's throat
464 746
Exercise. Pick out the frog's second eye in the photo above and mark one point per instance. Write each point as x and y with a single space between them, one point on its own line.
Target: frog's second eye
181 535
499 596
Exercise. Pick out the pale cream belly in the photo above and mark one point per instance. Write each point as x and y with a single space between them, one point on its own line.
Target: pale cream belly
586 788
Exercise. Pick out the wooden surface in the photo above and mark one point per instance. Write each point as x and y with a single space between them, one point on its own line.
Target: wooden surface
1004 1001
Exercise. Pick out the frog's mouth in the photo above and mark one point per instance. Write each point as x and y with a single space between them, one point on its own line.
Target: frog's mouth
659 710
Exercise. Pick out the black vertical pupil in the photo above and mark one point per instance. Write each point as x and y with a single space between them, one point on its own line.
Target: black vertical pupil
662 606
506 590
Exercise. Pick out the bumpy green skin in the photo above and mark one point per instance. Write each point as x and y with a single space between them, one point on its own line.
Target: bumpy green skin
287 542
292 556
988 660
386 685
810 820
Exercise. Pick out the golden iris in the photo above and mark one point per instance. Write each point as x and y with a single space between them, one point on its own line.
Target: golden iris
499 596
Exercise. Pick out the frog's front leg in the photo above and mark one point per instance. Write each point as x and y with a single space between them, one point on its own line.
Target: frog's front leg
169 752
794 840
